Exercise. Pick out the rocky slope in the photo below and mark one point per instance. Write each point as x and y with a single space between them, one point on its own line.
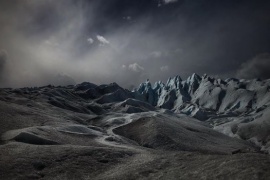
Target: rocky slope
93 131
238 108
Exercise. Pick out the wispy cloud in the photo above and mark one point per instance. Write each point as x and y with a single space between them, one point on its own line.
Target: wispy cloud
169 1
156 54
135 67
102 40
164 68
90 40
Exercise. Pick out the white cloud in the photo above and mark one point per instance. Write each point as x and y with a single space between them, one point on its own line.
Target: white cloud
90 40
102 40
156 54
135 67
169 1
124 66
164 68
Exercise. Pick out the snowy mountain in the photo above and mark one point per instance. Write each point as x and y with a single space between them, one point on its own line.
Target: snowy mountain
205 96
238 108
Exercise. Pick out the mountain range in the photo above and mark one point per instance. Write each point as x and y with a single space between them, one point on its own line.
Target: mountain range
199 128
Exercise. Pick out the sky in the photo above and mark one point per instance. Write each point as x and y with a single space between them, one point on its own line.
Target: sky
128 41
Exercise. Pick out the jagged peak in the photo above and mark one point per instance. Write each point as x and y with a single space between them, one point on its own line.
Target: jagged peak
194 78
174 82
158 84
148 83
194 75
144 86
168 81
178 77
204 76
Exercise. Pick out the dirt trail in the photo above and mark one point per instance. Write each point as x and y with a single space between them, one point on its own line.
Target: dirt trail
115 140
142 156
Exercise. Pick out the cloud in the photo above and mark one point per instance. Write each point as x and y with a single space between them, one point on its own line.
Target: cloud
135 67
258 67
156 54
164 68
102 40
90 40
169 1
208 38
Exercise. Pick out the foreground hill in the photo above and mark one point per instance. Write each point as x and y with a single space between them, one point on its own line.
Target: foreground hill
107 132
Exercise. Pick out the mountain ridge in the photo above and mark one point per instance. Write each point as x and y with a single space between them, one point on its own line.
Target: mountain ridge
205 92
107 126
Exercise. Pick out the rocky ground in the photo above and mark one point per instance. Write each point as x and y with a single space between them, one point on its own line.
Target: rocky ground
107 132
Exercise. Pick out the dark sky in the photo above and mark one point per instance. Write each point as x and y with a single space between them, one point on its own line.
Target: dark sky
128 41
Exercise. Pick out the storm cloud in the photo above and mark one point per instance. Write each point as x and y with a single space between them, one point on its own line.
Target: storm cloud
91 40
